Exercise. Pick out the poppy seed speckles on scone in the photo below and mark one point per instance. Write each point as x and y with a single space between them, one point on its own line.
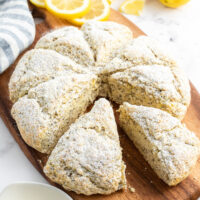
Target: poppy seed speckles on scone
68 41
147 52
92 45
105 38
143 85
48 109
88 157
167 145
38 66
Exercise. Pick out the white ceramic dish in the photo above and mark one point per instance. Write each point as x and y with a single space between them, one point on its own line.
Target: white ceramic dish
32 191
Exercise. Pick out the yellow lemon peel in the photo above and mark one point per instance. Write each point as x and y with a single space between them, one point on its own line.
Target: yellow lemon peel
133 7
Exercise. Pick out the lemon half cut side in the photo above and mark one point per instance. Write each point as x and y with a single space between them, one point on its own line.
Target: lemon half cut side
68 8
100 11
133 7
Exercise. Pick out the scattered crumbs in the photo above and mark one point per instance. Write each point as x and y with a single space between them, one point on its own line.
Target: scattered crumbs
128 173
131 189
145 168
39 161
151 182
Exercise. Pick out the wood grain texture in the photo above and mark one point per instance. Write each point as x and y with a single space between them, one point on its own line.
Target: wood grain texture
139 174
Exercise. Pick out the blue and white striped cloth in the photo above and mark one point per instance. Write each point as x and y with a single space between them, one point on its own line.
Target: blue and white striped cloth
17 30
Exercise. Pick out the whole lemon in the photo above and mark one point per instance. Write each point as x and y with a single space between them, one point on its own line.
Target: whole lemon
173 3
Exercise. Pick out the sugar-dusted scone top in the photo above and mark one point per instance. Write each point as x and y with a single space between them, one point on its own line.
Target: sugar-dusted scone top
37 66
168 146
48 109
88 159
68 41
148 85
105 38
143 50
146 51
91 46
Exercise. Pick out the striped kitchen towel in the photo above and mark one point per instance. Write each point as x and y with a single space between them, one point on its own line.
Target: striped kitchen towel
17 30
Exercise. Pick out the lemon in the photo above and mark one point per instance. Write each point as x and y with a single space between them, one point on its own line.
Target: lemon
68 8
38 3
174 3
99 11
110 1
133 7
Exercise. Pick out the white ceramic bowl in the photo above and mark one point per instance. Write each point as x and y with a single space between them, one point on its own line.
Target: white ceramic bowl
32 191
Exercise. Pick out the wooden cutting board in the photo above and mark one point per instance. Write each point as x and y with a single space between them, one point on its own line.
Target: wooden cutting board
139 174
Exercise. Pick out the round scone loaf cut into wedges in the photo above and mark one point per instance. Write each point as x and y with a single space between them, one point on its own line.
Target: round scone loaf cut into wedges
167 145
49 96
88 159
53 85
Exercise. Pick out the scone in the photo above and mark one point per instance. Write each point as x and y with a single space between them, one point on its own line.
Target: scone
140 51
146 51
104 38
148 85
68 41
88 159
167 145
37 66
48 109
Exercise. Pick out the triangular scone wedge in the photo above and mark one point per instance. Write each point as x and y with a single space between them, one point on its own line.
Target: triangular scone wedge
37 66
167 145
143 50
88 158
147 51
104 38
68 41
148 85
48 109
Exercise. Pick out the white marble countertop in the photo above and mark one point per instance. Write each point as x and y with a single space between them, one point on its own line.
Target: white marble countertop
180 27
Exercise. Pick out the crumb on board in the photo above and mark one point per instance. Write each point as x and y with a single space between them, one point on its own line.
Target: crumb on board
39 161
131 189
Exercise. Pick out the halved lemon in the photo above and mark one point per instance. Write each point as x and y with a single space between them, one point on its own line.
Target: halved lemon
133 7
38 3
99 11
174 3
68 8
